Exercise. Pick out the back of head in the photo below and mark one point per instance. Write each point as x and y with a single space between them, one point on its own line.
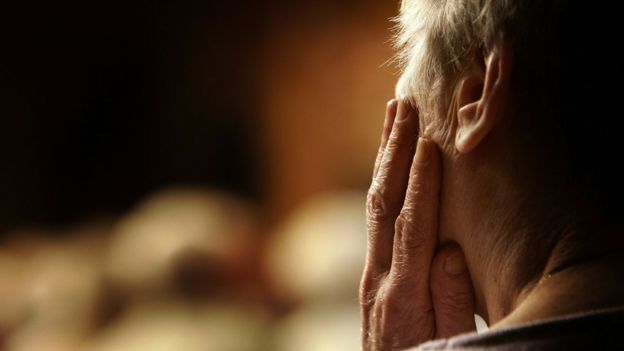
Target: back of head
566 77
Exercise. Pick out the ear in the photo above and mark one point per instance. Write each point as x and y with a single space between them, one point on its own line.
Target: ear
482 96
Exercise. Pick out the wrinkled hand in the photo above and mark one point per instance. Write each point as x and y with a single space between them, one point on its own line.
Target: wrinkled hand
409 293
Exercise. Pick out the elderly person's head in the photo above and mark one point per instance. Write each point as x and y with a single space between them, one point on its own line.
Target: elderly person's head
524 102
521 98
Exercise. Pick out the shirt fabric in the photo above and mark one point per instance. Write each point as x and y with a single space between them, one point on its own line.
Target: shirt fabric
598 330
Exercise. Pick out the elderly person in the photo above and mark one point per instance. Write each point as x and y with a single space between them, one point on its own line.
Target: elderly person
496 189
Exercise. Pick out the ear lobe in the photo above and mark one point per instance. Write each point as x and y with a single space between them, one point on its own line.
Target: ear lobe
481 97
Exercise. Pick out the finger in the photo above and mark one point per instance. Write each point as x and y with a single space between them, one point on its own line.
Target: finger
391 110
369 282
416 227
387 191
452 293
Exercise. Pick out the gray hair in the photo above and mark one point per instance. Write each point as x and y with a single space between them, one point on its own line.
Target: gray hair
567 57
435 39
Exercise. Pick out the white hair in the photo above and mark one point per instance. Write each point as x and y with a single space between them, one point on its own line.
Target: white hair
565 59
435 39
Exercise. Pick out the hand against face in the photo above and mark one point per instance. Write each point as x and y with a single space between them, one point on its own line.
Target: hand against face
409 293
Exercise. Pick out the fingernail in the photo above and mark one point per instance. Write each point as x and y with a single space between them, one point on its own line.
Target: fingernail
391 110
403 110
455 264
422 151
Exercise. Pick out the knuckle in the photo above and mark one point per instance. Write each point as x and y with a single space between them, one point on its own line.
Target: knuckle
409 234
367 291
400 140
366 299
416 188
377 205
400 271
398 143
371 289
390 300
401 291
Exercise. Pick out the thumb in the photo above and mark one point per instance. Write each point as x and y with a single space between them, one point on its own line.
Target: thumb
451 293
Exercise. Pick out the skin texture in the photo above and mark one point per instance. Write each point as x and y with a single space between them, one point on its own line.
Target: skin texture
409 292
524 244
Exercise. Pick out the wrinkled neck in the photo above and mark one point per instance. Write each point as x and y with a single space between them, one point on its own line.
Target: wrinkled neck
580 271
522 238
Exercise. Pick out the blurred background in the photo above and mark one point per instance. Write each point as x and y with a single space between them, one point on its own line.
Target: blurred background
187 175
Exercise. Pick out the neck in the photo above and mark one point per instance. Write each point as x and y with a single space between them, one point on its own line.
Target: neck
581 287
534 249
557 270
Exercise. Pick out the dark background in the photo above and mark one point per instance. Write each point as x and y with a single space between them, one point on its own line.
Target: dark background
169 171
102 102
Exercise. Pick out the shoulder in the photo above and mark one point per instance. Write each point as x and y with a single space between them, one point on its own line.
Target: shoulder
596 330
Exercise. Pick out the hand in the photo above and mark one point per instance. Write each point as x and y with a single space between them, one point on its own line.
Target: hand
409 293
